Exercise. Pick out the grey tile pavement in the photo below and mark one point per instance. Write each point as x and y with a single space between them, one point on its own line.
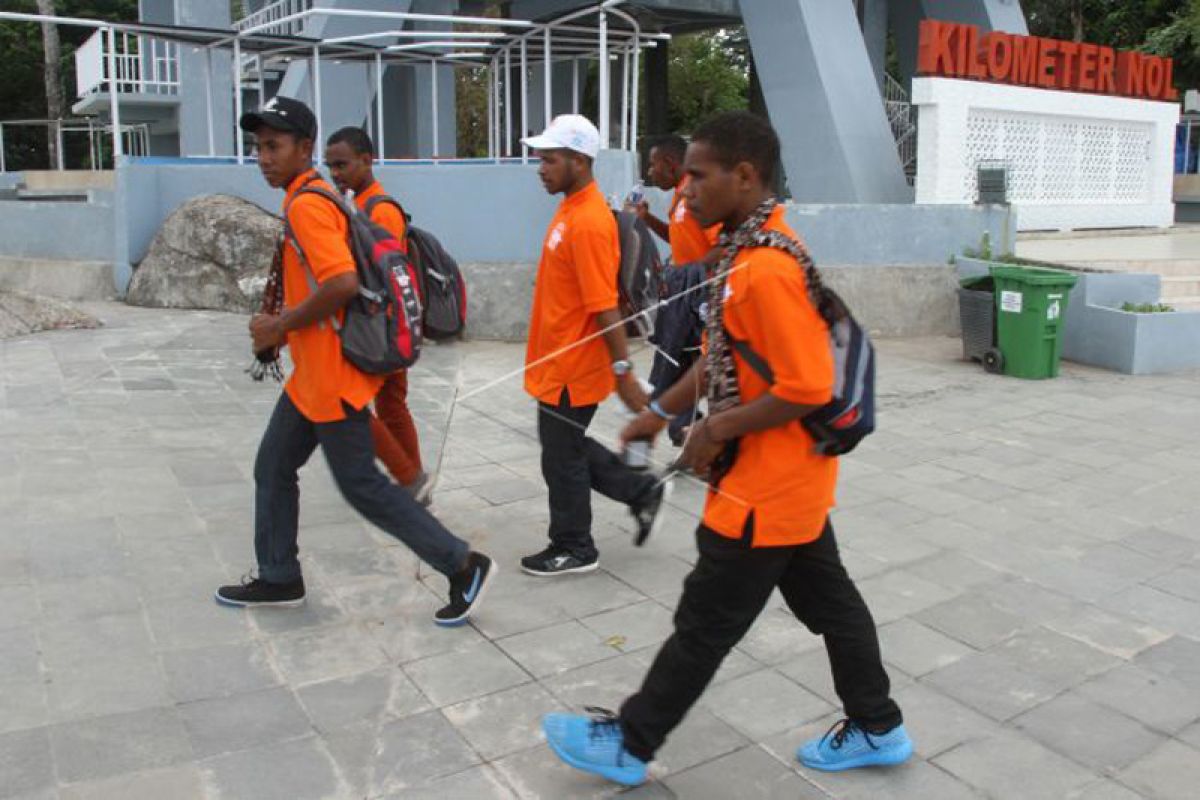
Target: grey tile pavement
1031 552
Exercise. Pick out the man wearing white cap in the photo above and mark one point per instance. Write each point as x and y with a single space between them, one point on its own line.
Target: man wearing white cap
577 354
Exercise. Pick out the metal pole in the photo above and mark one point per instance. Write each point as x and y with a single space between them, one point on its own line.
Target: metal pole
491 111
524 102
603 110
507 102
208 101
546 77
625 103
3 168
262 84
575 86
379 108
91 146
114 103
433 69
637 79
237 99
58 134
1187 141
316 82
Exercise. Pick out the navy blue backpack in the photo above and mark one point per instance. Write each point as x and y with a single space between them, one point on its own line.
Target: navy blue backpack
838 426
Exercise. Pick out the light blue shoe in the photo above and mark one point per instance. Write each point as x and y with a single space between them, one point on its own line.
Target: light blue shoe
847 746
594 744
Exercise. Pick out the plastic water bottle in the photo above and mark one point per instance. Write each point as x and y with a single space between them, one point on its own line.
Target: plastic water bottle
637 194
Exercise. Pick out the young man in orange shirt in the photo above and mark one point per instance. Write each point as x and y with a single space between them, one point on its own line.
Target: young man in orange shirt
324 401
348 156
677 327
577 354
766 524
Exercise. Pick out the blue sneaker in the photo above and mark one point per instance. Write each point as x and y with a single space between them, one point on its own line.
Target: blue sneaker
594 744
847 746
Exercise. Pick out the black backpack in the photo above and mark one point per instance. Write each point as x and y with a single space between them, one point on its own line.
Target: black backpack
381 327
443 289
640 285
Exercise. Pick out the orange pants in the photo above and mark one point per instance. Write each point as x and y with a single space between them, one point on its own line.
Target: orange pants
393 431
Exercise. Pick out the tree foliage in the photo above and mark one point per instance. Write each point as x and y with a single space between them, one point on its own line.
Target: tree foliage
707 74
22 87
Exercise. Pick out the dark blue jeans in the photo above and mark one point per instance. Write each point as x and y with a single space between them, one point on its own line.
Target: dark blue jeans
289 440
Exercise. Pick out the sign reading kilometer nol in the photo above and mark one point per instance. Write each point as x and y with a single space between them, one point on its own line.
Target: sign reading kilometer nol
957 50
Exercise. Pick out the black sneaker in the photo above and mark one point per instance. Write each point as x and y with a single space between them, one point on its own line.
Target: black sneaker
257 592
649 515
556 561
466 591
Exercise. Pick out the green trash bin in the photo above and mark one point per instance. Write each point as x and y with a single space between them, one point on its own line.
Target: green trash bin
1030 306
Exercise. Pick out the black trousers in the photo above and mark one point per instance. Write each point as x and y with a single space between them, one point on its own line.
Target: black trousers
573 464
722 597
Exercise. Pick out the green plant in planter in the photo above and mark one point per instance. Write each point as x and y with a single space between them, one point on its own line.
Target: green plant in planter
1146 308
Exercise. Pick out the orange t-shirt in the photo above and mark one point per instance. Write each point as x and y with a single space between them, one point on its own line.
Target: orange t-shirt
689 241
385 214
322 378
776 475
576 279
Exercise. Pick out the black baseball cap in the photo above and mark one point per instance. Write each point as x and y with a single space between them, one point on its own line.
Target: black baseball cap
281 114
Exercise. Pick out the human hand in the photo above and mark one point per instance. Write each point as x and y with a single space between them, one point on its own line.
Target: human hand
700 449
266 332
630 390
646 425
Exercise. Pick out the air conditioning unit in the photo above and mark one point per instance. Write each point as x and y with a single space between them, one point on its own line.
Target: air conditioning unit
992 182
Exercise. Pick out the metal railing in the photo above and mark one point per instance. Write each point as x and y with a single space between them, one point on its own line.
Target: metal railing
142 64
899 109
283 10
135 139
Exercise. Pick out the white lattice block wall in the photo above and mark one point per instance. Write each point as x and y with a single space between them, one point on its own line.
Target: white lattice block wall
1074 160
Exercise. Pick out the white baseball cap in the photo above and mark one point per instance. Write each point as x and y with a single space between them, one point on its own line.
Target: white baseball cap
569 132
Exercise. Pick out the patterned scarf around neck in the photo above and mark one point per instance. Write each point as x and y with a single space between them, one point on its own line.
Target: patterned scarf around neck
723 391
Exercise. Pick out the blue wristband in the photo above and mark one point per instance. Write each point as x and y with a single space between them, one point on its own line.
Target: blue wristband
658 411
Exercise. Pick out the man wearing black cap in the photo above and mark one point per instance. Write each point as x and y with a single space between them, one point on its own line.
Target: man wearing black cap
324 401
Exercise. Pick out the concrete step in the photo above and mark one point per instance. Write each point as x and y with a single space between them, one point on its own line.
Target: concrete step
1161 266
70 179
69 280
1176 286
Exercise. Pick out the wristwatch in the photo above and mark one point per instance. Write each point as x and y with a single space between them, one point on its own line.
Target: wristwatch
622 368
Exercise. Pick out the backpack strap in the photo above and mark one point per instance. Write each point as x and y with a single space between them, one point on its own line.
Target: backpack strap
753 359
290 235
373 202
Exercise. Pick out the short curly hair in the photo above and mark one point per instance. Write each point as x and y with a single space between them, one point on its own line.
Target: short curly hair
737 136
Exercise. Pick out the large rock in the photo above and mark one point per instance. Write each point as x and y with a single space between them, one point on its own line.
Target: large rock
23 313
212 252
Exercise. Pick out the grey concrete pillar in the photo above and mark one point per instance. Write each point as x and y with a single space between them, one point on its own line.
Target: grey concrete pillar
193 64
990 15
873 17
821 93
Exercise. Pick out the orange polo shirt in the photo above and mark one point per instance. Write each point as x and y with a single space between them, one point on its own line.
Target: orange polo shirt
776 475
689 241
385 214
322 378
576 279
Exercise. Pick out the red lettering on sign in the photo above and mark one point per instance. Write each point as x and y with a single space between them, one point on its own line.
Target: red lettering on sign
976 65
1025 60
956 50
1106 71
1045 63
933 55
1088 55
999 55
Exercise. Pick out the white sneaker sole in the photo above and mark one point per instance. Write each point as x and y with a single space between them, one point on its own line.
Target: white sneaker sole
261 604
592 567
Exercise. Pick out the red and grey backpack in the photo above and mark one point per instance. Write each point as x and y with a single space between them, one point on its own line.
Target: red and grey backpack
381 330
443 288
